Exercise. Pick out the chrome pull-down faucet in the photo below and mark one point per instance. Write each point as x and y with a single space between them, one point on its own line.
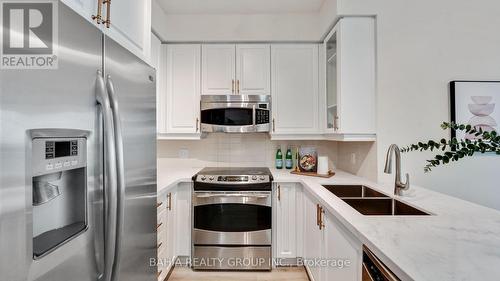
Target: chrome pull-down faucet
398 185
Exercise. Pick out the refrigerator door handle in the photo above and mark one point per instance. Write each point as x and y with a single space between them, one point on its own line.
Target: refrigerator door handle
110 179
120 168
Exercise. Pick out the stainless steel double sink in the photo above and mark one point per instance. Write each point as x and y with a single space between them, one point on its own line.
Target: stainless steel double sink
370 202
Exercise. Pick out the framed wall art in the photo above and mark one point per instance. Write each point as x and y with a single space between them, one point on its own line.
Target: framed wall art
476 103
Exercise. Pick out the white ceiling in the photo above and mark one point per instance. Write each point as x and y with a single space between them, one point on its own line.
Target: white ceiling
240 6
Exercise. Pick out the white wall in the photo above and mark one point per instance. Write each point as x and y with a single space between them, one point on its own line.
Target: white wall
422 45
158 17
310 27
248 27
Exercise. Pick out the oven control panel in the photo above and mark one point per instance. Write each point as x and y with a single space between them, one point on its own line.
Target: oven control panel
224 179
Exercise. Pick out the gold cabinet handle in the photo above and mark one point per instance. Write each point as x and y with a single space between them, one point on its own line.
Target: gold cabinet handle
159 273
108 13
159 204
197 127
317 214
158 225
159 245
232 86
321 213
274 126
279 192
169 196
98 17
237 86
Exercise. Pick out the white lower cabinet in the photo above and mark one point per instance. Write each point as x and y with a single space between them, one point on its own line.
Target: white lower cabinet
183 219
285 221
331 253
312 237
343 249
174 227
164 245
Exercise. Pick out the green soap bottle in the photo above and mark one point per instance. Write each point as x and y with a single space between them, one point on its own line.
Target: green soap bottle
289 158
279 159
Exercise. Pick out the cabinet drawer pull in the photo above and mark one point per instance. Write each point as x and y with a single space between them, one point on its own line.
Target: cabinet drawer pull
279 192
158 225
159 273
274 126
159 245
232 86
237 86
158 205
169 196
197 127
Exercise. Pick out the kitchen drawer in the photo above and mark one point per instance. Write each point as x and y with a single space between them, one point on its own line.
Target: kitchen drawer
160 217
161 224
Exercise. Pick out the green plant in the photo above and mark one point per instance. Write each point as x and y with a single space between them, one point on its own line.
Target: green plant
455 149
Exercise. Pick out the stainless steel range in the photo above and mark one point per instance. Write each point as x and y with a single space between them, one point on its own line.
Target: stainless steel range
232 219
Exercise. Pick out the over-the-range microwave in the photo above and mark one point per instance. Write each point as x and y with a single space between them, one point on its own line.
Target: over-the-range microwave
235 113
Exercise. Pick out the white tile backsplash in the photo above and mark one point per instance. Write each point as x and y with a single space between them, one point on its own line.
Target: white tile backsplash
239 149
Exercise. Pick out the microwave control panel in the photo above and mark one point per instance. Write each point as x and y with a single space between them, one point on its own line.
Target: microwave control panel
261 116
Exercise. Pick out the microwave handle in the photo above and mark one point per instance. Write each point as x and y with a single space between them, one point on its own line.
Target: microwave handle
254 117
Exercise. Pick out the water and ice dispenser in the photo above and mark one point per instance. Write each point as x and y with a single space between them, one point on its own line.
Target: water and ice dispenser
59 187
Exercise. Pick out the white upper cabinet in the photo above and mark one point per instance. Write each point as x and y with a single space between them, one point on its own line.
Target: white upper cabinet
129 21
294 76
218 69
236 69
350 80
86 8
130 25
253 69
182 88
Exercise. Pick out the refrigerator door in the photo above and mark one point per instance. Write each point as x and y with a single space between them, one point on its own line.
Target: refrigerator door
131 86
61 98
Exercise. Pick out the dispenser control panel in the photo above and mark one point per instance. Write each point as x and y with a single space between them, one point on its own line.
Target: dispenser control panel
56 149
58 154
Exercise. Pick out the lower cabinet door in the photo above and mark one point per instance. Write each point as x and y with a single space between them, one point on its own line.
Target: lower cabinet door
313 237
182 212
285 220
342 251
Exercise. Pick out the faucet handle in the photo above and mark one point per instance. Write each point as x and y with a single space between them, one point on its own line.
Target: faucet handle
407 183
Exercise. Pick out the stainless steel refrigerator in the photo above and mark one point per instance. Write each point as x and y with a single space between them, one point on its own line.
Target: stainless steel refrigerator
78 163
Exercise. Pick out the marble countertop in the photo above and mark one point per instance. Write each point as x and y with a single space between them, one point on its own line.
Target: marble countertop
460 241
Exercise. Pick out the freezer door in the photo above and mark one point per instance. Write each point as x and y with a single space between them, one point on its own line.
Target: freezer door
61 98
130 83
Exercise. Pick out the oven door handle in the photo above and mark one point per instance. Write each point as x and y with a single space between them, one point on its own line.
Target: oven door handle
210 195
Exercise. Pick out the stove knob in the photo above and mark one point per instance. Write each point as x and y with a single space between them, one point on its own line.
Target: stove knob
262 178
254 177
203 178
211 178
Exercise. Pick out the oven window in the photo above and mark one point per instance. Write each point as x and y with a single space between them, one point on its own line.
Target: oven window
232 217
227 116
